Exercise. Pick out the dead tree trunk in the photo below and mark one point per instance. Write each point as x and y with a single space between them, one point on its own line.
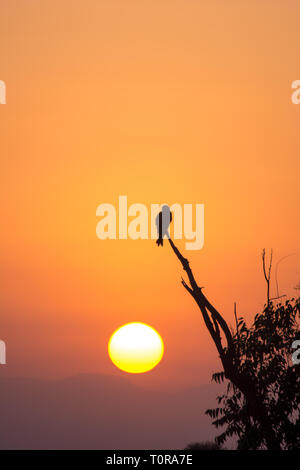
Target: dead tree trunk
216 326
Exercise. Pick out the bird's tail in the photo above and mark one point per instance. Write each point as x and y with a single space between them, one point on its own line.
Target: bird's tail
159 242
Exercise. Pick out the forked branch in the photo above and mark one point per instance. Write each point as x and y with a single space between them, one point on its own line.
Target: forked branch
214 322
267 274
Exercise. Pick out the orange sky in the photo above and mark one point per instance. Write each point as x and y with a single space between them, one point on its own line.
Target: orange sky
163 101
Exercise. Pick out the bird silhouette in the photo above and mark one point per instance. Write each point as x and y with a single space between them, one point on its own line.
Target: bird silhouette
163 220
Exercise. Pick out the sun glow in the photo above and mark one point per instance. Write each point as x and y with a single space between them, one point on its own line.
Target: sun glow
135 348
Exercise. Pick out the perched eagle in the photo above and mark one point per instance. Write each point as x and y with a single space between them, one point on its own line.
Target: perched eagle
163 220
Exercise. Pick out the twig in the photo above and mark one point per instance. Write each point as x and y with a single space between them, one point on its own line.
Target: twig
267 276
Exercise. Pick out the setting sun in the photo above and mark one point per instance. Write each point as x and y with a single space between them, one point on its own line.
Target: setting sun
135 347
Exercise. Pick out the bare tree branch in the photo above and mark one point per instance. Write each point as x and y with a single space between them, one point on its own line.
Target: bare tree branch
267 276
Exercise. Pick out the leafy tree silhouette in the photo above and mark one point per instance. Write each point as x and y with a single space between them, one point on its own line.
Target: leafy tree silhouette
263 351
262 403
203 446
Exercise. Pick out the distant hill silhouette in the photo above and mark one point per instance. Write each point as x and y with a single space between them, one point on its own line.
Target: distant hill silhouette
100 412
